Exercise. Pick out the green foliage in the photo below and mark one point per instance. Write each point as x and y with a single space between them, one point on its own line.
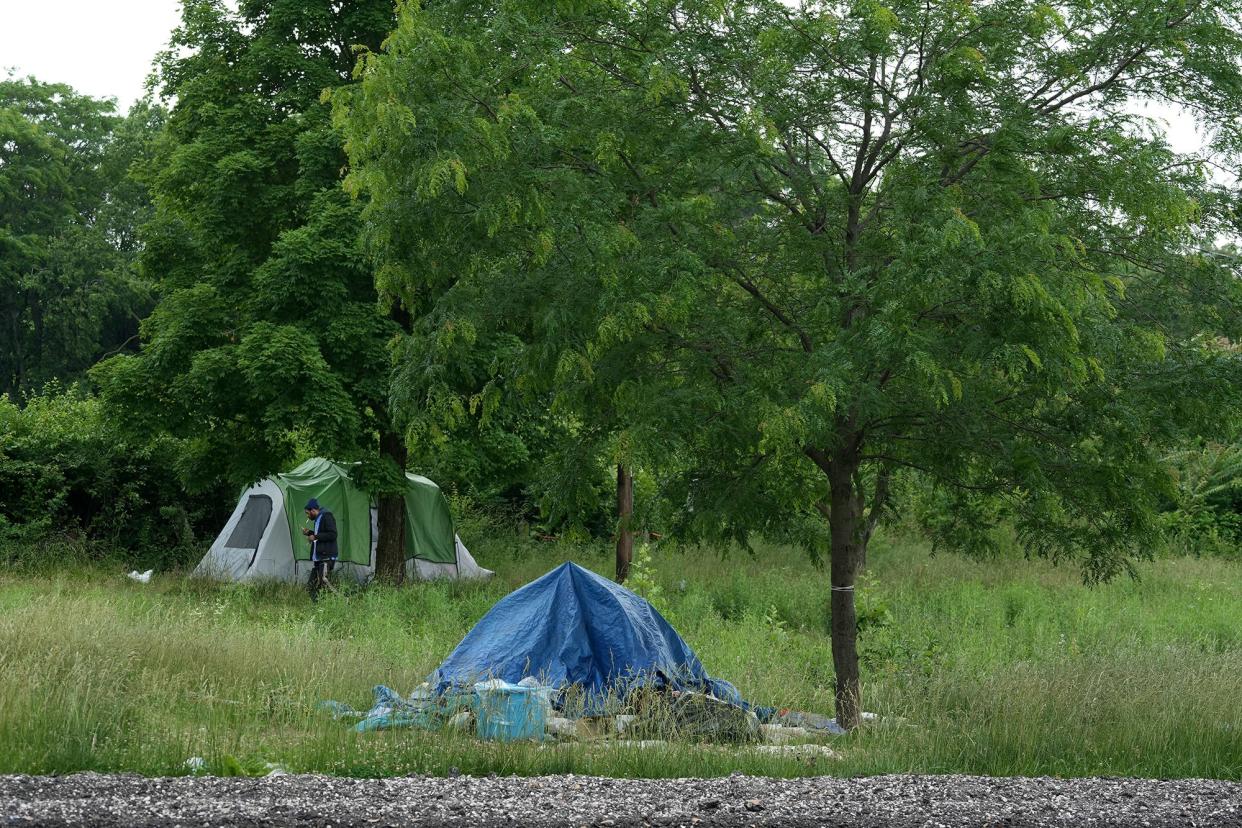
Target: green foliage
872 610
65 469
1206 512
70 205
267 342
642 576
756 246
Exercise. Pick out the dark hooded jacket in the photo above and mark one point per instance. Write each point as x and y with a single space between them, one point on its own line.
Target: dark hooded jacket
324 548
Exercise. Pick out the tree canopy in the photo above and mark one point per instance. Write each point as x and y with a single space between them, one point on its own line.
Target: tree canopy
268 342
812 247
267 339
70 204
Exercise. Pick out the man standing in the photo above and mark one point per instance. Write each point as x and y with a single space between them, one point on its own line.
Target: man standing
323 546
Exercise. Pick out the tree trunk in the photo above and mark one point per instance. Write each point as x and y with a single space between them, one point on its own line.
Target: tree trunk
390 546
625 531
19 363
37 357
847 549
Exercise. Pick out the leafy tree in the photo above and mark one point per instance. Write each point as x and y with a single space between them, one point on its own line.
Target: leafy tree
483 438
815 245
67 471
69 208
1206 506
268 341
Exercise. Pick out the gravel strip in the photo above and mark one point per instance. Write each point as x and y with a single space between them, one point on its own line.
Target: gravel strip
280 800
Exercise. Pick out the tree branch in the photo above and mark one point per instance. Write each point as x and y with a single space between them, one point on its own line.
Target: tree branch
750 287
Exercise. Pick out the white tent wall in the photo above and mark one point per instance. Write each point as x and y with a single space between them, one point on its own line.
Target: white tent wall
268 550
269 555
251 549
465 567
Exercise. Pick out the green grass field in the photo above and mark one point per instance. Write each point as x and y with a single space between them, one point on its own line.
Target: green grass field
1001 667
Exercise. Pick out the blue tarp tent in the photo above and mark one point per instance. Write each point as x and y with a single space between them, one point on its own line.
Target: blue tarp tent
573 627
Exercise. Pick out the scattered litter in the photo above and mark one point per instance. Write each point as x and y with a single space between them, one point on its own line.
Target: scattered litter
490 684
391 710
800 751
573 655
775 734
810 721
511 712
141 577
195 764
813 721
567 728
696 716
274 769
641 744
340 710
594 727
500 711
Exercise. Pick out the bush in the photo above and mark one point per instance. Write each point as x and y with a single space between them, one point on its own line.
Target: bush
66 474
1205 513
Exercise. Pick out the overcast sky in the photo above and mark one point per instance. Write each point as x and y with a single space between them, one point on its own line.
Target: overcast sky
105 47
101 47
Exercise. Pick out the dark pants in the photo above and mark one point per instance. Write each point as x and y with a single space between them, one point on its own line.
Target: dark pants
318 577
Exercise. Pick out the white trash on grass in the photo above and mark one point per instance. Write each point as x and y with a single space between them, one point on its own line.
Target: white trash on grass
567 728
775 734
463 720
622 723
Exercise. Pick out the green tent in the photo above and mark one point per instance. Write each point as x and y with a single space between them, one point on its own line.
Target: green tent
429 533
263 537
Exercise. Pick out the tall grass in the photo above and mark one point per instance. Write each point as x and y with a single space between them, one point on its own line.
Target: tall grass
1003 667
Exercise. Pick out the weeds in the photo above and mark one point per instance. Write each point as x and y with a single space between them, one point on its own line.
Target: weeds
1004 667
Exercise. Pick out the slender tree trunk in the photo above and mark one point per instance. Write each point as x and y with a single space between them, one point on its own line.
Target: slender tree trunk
625 530
19 363
390 546
847 550
37 357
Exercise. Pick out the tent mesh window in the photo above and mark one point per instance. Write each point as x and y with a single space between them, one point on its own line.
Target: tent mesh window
249 530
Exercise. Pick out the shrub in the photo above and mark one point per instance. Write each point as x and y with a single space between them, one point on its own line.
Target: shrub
1206 509
65 473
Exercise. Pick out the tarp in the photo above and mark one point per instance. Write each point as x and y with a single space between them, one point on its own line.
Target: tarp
573 627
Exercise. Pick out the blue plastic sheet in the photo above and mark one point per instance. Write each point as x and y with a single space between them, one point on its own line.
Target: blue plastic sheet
573 627
389 710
